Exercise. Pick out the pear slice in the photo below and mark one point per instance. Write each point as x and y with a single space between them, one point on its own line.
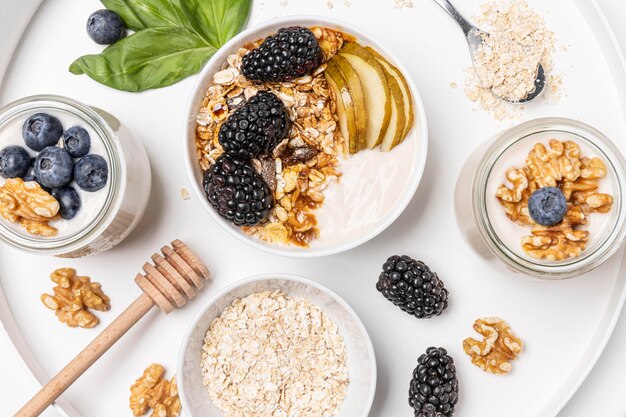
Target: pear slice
397 122
345 106
375 88
404 86
358 98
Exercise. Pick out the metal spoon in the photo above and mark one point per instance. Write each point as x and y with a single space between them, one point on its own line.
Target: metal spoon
475 37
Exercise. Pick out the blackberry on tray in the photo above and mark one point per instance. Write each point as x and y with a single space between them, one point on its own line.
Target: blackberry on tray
291 53
255 128
413 287
434 389
237 191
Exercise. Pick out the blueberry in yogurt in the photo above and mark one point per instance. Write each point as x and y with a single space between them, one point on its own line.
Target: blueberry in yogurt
547 206
91 172
41 130
105 27
14 162
69 201
76 141
53 167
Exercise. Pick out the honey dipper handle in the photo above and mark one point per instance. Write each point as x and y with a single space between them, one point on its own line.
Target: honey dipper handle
57 385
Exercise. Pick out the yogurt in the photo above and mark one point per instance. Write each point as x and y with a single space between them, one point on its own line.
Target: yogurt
482 219
92 203
106 216
510 232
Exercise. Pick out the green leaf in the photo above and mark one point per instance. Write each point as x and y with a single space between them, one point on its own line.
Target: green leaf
150 58
146 14
216 20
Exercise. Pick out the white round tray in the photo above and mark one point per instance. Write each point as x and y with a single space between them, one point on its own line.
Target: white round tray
565 324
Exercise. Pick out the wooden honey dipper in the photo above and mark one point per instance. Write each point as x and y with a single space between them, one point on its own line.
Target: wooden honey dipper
174 277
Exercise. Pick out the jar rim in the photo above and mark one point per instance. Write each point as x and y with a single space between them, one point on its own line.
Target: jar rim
117 168
549 269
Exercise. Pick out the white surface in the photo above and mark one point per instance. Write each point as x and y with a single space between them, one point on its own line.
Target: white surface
360 357
397 347
375 188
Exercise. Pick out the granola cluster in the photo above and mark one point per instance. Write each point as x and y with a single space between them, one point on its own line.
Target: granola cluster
562 166
29 205
153 391
272 355
72 298
498 347
304 164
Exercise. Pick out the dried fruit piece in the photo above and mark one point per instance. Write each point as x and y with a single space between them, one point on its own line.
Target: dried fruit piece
151 390
498 347
73 297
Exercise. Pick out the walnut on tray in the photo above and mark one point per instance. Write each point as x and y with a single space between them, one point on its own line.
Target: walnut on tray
562 166
29 205
498 347
305 163
73 297
151 390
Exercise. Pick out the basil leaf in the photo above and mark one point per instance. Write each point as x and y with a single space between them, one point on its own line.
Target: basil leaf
150 58
216 20
145 14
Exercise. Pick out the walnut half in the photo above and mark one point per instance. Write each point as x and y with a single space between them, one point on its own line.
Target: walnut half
73 297
151 390
498 347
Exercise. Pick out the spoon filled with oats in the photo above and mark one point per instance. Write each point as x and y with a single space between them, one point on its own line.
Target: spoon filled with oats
507 65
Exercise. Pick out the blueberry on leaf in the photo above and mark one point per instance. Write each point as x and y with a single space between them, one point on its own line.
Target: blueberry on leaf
105 27
76 141
547 206
91 172
54 167
41 130
14 161
69 201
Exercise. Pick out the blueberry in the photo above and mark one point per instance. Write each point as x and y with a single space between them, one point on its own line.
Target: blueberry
76 141
41 130
105 27
53 167
30 172
14 162
547 206
69 200
91 172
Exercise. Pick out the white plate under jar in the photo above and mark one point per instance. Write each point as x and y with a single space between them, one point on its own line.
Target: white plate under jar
127 190
488 230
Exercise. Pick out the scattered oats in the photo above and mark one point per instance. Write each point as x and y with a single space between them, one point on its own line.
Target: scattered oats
399 4
270 354
453 85
184 194
505 64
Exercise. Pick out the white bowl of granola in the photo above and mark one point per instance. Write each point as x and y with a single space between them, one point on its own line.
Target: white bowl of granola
339 379
332 188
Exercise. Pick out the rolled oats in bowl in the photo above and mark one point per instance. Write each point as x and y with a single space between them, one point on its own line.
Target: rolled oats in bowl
270 354
276 345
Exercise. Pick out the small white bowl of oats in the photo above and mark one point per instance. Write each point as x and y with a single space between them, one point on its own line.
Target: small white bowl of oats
276 345
305 137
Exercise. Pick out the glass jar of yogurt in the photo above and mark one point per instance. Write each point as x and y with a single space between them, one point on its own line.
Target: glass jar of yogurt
483 220
107 215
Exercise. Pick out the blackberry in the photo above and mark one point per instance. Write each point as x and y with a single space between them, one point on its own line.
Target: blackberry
434 389
237 191
291 53
256 128
413 287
